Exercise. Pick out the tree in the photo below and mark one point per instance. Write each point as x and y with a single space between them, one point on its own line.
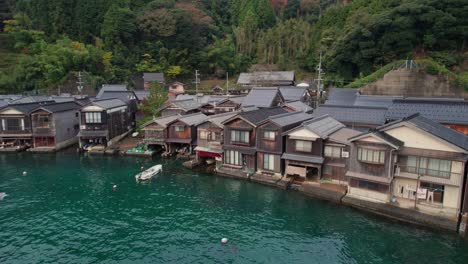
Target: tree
155 100
158 23
118 26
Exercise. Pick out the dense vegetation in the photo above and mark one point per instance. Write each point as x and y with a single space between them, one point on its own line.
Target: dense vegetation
110 40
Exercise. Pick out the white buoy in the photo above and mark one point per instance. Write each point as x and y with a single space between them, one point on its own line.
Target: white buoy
25 173
114 187
2 195
224 240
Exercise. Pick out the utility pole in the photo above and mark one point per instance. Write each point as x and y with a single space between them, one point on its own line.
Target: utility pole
319 79
227 83
80 83
197 81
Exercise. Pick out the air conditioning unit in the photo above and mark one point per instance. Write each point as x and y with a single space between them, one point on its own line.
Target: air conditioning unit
345 154
83 127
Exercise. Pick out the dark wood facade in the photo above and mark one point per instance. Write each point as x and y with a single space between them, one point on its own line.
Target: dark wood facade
226 106
245 150
15 130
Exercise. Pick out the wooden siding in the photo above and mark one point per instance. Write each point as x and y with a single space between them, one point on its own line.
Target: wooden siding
186 134
27 124
241 125
216 139
267 145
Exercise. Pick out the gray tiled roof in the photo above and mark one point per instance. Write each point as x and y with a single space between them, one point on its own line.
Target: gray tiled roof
257 116
375 101
109 103
125 96
323 126
3 103
439 110
60 107
153 76
187 105
111 87
353 114
266 76
299 106
204 99
193 119
343 134
289 118
141 94
220 118
342 96
164 121
25 108
292 93
31 99
261 97
439 130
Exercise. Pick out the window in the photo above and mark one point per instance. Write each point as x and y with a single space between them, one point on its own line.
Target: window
43 121
93 117
304 146
371 155
203 134
428 166
435 192
269 135
14 124
232 157
332 151
269 162
179 128
240 136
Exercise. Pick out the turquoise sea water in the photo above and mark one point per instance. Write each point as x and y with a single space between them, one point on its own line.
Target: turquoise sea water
65 211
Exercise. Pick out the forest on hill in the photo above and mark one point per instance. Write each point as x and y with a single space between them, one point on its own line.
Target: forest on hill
111 40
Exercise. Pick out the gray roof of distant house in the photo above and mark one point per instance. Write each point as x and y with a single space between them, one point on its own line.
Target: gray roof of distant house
203 99
109 103
292 93
193 119
438 110
265 76
141 94
187 105
287 119
125 96
60 107
257 116
261 97
153 76
111 88
375 101
31 99
3 103
353 114
342 96
323 126
299 106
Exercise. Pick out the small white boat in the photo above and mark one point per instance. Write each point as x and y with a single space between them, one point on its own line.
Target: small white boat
149 173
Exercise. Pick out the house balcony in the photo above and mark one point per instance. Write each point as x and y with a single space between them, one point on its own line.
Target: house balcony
427 175
44 131
16 133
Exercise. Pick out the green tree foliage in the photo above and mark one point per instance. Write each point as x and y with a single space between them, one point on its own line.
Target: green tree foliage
156 99
118 26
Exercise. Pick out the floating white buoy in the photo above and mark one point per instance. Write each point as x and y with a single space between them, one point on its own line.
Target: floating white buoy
142 168
114 187
25 173
2 195
224 240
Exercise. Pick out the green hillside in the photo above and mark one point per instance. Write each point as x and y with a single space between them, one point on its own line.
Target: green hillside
112 40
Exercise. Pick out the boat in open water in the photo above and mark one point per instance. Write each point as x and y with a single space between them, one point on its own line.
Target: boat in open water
149 173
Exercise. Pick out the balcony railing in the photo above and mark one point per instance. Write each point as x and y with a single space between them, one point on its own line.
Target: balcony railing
427 172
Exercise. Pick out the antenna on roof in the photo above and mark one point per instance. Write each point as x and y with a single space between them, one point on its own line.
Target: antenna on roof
319 79
197 81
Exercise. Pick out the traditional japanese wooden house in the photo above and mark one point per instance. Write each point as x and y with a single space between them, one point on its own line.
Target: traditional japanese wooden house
240 133
153 77
230 104
156 131
211 138
304 148
180 107
15 126
55 126
262 97
336 153
103 123
270 141
426 169
182 132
